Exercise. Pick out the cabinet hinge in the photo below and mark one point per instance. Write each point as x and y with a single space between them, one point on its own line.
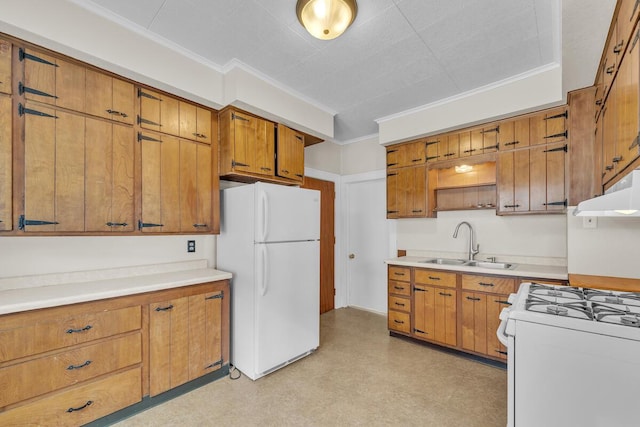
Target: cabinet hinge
216 296
214 364
495 129
430 158
562 203
236 117
142 120
234 164
22 110
563 148
557 116
565 134
22 55
142 93
142 225
142 137
22 89
492 147
636 142
391 151
428 143
22 222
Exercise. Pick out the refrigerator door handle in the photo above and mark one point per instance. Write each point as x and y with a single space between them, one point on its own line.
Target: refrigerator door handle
263 270
264 215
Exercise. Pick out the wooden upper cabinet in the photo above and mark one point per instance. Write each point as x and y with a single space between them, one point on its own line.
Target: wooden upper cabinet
465 146
410 154
6 169
513 181
549 126
290 154
490 138
53 81
514 134
159 112
5 66
547 175
247 144
432 148
627 18
195 187
109 97
407 192
449 147
195 122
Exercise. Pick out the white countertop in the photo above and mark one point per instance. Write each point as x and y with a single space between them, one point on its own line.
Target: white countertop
521 270
51 290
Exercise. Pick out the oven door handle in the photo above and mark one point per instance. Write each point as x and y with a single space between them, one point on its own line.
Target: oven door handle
501 332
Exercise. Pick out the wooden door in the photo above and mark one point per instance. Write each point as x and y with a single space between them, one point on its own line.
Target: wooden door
160 183
290 154
443 148
244 128
495 304
203 125
432 146
54 170
608 119
264 150
453 148
6 156
109 177
445 323
149 117
109 97
513 181
205 333
327 240
5 66
464 140
514 134
556 180
168 344
393 208
39 83
417 192
195 187
490 136
188 120
474 322
122 104
424 311
404 191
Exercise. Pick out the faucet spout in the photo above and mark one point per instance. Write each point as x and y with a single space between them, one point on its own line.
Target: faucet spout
473 249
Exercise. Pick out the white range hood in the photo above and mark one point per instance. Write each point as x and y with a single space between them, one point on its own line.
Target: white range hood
621 200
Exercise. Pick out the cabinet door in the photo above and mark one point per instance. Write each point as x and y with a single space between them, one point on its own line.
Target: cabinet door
424 312
264 148
109 177
549 127
453 148
205 333
547 178
445 316
54 176
393 208
432 147
495 304
203 125
474 322
627 90
195 123
443 148
160 183
195 187
6 170
290 154
5 66
168 344
417 197
490 136
109 97
513 181
464 140
513 134
474 144
159 112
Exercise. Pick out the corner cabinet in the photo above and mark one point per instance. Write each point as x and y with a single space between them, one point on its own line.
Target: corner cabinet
72 365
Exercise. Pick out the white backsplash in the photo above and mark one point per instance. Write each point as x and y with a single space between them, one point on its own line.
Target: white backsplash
528 239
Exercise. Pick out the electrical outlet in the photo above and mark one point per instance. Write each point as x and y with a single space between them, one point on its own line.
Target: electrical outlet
191 245
589 222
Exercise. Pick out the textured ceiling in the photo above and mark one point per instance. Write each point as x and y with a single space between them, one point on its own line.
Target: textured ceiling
398 55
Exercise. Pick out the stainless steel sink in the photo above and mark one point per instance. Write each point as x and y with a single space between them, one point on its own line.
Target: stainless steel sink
488 264
445 261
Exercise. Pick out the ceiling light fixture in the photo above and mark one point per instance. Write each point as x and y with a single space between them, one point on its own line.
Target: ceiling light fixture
463 168
326 19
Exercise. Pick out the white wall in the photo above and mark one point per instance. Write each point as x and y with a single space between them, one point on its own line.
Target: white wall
323 157
363 156
611 249
532 236
23 256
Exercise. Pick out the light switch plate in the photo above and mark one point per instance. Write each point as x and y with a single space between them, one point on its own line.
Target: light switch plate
589 222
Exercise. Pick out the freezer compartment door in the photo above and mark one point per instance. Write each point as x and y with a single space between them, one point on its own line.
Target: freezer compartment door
287 302
285 214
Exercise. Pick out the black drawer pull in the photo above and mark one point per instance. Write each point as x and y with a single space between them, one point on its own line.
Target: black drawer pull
199 135
72 367
116 224
416 211
485 284
285 171
562 203
611 69
434 278
470 151
616 159
399 288
501 352
419 331
265 169
199 225
85 329
511 143
399 304
399 321
419 289
416 160
473 299
511 206
430 158
89 402
169 307
398 274
449 154
444 294
618 48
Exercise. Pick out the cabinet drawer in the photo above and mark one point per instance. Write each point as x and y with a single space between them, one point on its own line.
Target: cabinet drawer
400 304
399 288
39 337
46 374
499 285
402 274
399 321
80 405
435 277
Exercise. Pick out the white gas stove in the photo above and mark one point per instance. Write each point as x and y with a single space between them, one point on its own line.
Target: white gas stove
573 356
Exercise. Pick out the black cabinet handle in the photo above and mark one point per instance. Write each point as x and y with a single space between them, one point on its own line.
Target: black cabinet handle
419 289
416 211
399 321
89 402
611 69
72 367
470 151
399 304
398 274
116 224
444 294
562 203
419 331
399 288
74 331
618 48
511 206
501 352
616 159
199 225
434 278
169 307
473 299
511 143
449 154
502 302
486 284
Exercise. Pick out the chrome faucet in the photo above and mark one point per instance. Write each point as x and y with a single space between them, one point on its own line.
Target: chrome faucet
472 251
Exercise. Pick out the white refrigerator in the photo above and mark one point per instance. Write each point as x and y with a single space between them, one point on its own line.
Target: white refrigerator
269 241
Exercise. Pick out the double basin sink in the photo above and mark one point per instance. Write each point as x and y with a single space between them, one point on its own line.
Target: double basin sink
470 263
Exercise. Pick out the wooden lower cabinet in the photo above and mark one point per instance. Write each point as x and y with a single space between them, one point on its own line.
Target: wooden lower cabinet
480 322
71 365
435 314
399 299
